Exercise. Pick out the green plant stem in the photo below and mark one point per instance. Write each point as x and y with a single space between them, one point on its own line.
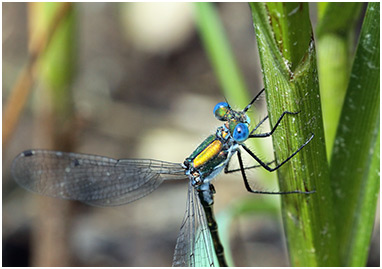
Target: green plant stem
54 122
291 84
58 61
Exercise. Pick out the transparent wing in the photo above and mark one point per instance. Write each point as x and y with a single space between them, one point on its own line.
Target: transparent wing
194 246
91 179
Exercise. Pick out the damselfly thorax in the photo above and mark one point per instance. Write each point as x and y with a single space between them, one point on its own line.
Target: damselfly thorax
214 153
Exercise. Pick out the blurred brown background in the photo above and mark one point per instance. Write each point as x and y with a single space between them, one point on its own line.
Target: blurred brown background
143 88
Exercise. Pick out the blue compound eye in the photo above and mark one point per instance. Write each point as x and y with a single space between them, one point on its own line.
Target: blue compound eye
220 111
241 132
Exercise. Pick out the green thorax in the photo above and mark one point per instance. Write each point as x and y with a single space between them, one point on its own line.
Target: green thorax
202 146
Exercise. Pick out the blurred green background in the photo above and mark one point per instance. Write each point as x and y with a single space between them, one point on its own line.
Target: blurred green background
142 87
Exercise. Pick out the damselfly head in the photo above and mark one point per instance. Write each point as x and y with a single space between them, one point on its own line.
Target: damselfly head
237 122
240 133
221 111
224 112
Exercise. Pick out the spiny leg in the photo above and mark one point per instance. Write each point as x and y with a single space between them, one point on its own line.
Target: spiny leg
278 166
274 127
228 171
253 100
258 125
262 192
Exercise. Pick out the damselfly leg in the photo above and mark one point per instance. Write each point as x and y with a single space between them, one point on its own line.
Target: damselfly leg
229 171
262 163
271 170
251 135
267 167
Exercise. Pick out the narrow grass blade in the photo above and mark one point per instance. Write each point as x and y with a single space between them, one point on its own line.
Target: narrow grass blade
355 157
220 53
335 46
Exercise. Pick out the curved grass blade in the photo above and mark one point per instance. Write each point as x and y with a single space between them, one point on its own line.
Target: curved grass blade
354 167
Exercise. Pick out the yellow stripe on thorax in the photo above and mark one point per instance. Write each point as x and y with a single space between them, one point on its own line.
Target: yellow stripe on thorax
208 153
224 134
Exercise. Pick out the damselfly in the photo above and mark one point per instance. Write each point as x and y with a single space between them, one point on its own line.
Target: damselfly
104 181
